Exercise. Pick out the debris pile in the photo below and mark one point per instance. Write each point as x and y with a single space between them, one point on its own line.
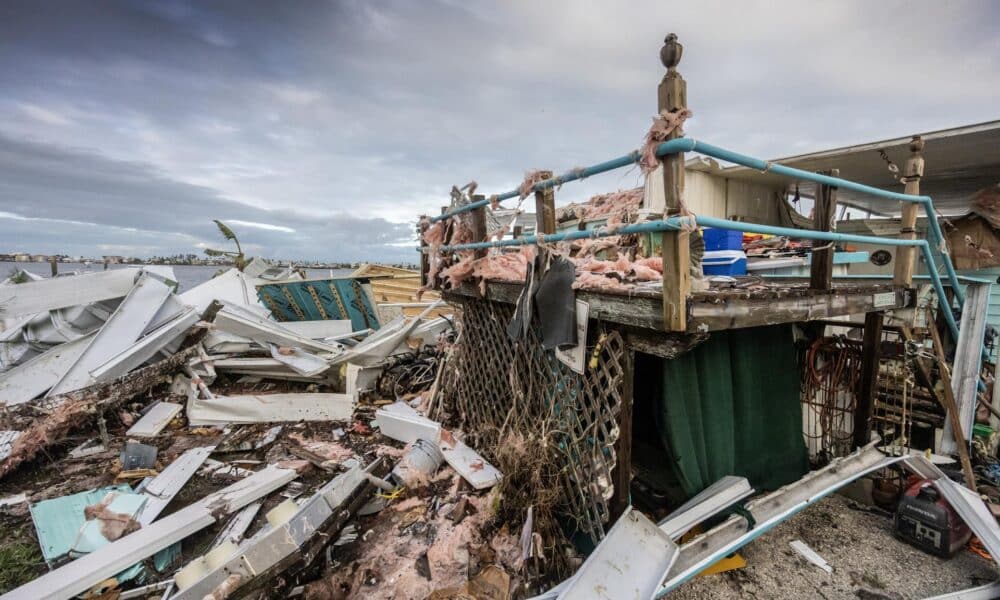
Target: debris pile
190 445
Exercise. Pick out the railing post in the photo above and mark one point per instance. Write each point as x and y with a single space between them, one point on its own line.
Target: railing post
675 249
867 387
906 255
824 209
479 225
545 207
672 97
425 259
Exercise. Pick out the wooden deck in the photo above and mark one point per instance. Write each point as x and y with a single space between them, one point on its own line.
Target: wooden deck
750 302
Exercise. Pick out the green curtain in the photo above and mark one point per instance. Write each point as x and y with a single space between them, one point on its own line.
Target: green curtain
731 407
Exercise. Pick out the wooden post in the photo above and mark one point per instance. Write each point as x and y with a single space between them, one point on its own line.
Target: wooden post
906 255
675 248
479 225
821 270
676 253
54 266
425 259
623 445
865 397
951 407
545 208
672 97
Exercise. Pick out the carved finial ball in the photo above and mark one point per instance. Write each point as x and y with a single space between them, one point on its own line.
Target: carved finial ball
916 144
670 53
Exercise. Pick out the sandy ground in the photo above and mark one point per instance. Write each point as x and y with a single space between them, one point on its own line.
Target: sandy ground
868 562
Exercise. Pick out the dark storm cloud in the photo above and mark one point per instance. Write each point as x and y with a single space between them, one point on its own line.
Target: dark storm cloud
296 114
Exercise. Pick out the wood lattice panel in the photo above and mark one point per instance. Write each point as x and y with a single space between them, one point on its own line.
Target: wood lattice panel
491 382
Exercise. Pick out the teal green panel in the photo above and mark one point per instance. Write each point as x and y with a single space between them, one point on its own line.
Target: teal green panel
58 521
314 300
731 407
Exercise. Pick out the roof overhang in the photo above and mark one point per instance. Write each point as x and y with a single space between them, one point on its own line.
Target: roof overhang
958 163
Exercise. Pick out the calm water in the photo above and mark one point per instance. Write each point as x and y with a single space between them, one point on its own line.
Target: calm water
188 276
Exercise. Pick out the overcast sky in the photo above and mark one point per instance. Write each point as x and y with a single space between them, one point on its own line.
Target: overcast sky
319 130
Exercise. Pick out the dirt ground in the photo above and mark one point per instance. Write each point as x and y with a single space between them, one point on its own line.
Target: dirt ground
868 562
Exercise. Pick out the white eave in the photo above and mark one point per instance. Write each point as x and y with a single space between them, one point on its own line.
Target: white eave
958 163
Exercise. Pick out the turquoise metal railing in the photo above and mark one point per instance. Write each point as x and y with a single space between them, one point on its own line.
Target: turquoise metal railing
692 145
676 223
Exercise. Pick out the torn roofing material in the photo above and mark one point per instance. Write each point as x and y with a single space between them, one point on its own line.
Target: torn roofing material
59 292
242 322
80 575
124 327
33 378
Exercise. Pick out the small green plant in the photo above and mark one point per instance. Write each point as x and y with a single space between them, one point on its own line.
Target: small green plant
239 260
19 564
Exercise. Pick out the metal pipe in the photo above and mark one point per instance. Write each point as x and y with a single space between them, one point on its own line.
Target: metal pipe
675 223
558 180
693 145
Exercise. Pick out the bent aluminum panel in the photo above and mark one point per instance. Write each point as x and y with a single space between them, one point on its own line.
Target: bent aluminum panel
628 564
770 510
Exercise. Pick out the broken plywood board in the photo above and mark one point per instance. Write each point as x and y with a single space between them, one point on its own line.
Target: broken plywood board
468 463
83 573
33 297
30 380
155 419
270 408
122 329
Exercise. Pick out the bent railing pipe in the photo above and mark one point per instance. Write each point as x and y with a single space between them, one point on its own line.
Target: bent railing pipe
676 223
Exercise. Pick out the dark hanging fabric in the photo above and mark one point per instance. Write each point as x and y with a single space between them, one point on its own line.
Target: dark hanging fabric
555 302
731 407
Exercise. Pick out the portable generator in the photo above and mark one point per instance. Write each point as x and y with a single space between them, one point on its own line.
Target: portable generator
925 520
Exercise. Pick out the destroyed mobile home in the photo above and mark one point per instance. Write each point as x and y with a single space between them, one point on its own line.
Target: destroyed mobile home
597 402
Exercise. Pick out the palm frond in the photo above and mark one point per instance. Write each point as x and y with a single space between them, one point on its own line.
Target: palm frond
225 230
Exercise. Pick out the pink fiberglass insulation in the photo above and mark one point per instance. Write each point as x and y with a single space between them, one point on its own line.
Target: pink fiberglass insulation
459 272
597 282
653 262
663 125
434 235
